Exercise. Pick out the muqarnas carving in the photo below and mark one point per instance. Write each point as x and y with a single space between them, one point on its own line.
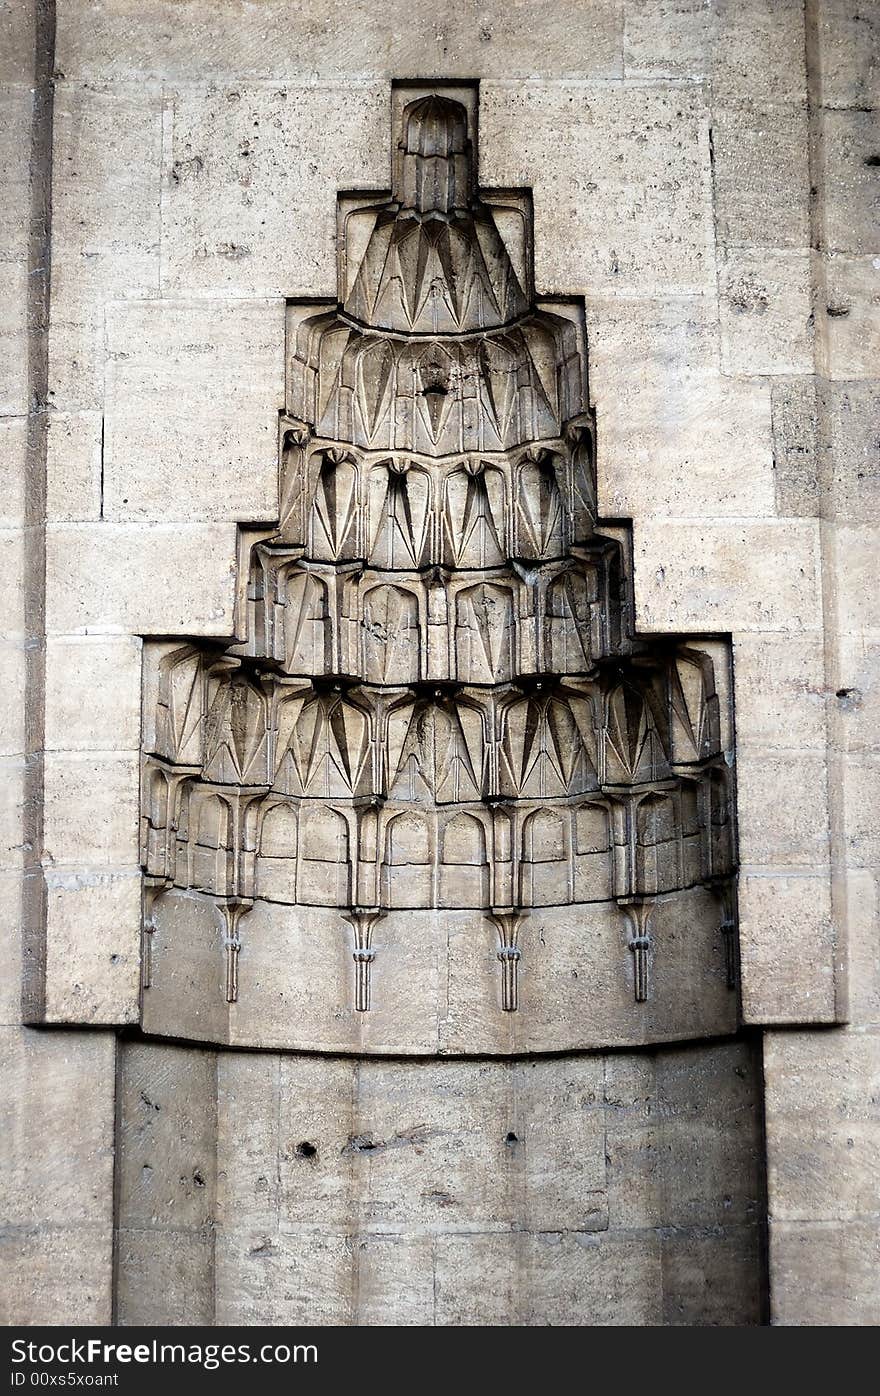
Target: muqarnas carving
439 702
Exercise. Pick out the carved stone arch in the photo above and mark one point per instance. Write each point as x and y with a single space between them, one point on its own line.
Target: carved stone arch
632 750
307 631
474 528
541 530
324 861
545 863
392 626
592 852
334 523
485 633
278 844
180 709
571 641
236 729
399 506
209 840
693 707
658 843
409 860
464 860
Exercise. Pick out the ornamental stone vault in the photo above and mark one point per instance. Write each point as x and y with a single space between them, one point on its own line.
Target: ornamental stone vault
436 795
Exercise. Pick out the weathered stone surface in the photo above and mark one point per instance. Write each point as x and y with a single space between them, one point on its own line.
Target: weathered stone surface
74 466
848 324
386 1192
796 448
727 576
105 226
78 666
114 578
851 182
246 165
743 46
766 311
849 44
328 40
189 413
623 204
92 962
668 423
57 1160
788 944
761 179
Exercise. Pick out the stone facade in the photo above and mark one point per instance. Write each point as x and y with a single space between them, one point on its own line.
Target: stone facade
421 602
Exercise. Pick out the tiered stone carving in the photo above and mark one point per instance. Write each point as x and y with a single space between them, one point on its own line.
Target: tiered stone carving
438 703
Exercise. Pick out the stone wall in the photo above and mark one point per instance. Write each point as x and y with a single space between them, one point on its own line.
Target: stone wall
705 176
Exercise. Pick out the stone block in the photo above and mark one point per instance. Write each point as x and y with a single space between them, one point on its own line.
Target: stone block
780 691
247 165
93 693
16 104
17 32
851 449
857 700
57 1132
863 968
166 1160
848 325
824 1273
849 43
743 46
765 311
13 662
782 808
727 576
761 174
105 225
787 947
252 1146
12 557
73 466
164 1277
55 1274
91 809
796 455
621 179
851 181
191 429
395 1280
674 437
92 945
10 948
165 579
861 792
300 1277
323 41
709 1281
13 793
13 462
856 578
823 1140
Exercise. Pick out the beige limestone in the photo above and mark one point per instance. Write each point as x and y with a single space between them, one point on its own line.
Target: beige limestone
667 150
766 311
341 1186
123 41
117 578
188 411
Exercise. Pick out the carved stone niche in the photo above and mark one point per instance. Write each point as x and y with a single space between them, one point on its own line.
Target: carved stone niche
438 796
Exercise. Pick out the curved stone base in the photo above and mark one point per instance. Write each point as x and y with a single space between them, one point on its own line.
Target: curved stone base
436 979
